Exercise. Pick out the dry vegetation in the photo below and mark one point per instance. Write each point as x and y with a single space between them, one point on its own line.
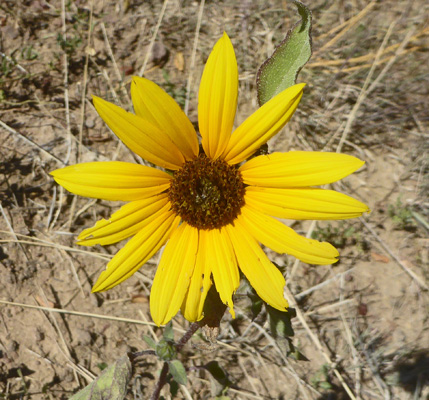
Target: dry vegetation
361 323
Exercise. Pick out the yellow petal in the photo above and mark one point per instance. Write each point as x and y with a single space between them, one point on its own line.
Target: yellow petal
125 222
154 105
174 274
282 239
137 251
263 124
193 304
262 274
112 180
142 137
298 169
217 100
223 264
304 203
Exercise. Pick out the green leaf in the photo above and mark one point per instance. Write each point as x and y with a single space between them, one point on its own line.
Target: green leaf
178 372
168 332
174 387
149 341
281 70
165 349
286 345
294 353
110 385
220 381
325 385
256 306
102 366
280 322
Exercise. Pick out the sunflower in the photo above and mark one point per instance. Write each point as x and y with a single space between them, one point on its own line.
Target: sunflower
209 206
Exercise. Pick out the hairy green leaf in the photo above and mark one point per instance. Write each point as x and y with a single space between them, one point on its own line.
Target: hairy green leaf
168 332
150 342
166 349
219 378
281 70
178 372
280 321
256 306
110 385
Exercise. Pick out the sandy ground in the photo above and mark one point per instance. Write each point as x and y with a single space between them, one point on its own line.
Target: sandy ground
362 323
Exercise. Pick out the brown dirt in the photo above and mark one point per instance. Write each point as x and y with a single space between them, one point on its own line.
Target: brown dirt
370 311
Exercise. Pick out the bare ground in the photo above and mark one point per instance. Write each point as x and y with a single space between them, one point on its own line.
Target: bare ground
362 323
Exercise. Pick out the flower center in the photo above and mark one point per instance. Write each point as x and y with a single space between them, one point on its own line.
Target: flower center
206 193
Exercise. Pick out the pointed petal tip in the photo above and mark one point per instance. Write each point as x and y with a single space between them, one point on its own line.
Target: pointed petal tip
224 37
96 288
295 91
333 258
57 172
160 320
284 306
98 102
96 99
87 232
83 240
354 163
332 253
83 237
358 162
135 80
101 284
364 209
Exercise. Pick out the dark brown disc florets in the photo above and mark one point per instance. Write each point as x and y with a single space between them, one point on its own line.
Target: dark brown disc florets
206 193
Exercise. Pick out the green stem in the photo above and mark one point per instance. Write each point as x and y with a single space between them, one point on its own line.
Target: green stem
162 380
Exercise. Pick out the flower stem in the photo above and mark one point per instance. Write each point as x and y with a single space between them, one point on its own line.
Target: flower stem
162 380
188 334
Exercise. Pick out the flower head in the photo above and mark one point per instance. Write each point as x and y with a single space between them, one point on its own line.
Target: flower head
214 208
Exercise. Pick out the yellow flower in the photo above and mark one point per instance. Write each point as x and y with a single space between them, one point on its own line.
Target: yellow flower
215 208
